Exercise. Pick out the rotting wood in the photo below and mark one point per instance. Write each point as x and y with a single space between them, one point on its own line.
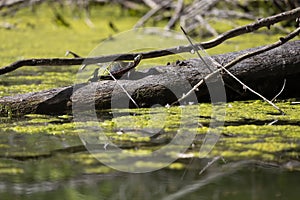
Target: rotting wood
264 73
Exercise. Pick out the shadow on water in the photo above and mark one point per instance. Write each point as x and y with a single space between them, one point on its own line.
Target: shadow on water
261 122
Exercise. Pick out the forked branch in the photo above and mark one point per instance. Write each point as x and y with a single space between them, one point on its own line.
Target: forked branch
281 41
265 22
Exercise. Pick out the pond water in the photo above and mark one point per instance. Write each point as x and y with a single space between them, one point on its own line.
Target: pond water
244 180
43 157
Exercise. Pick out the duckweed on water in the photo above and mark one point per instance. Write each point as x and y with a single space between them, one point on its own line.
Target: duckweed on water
52 129
256 139
37 35
12 171
246 134
246 140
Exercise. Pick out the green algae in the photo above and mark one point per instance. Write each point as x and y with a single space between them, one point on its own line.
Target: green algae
245 135
12 171
38 126
37 35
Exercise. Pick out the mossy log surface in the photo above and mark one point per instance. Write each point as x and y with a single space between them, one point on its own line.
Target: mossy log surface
265 73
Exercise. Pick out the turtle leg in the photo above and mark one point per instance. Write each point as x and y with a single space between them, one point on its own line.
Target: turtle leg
95 76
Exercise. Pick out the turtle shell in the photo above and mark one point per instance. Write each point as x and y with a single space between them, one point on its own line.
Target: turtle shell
118 66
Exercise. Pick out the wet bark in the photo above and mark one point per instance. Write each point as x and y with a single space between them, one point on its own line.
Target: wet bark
165 84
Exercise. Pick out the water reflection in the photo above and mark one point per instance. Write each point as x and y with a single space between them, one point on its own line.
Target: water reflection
239 180
41 161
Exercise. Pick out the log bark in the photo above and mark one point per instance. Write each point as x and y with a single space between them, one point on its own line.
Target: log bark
265 73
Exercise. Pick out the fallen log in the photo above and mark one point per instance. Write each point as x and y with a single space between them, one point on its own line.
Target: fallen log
265 73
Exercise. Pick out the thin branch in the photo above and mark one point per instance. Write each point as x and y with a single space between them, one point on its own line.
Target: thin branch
176 15
149 14
234 77
72 53
253 91
204 23
283 86
124 90
230 14
152 4
195 48
215 159
281 41
111 76
223 171
273 122
241 58
295 103
266 22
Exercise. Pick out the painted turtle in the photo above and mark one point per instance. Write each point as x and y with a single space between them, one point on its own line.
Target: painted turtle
123 67
117 69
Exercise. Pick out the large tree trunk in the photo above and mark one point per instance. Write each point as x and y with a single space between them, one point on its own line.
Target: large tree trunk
265 73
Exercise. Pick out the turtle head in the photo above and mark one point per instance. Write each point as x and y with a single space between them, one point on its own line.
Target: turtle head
137 59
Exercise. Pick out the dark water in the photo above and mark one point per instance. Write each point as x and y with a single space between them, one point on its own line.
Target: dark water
245 183
234 180
43 166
